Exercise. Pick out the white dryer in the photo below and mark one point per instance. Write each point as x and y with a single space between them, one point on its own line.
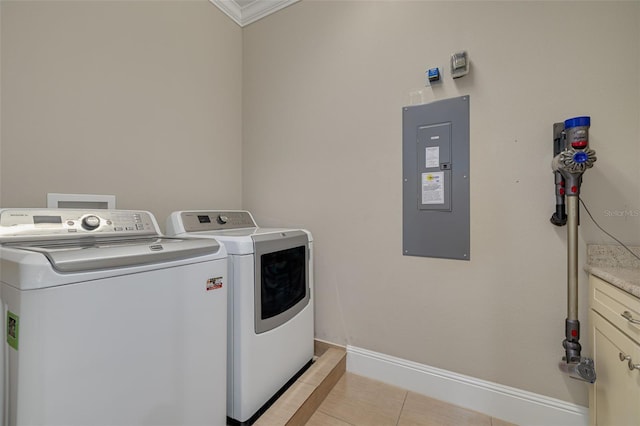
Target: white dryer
270 303
106 322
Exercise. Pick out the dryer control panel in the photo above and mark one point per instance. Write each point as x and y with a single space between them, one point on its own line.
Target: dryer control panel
21 224
215 220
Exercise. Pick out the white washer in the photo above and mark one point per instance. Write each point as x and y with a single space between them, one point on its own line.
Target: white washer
270 303
106 322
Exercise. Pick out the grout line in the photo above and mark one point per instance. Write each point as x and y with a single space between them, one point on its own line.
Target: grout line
326 413
404 401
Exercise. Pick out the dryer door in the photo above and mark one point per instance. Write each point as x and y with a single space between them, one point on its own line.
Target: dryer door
281 277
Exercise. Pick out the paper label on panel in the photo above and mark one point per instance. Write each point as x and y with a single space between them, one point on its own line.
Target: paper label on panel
433 188
432 157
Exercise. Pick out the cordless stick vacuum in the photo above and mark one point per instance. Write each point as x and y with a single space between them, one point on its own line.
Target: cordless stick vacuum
572 157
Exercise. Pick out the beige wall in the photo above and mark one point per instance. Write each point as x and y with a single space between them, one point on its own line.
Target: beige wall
1 104
324 83
141 99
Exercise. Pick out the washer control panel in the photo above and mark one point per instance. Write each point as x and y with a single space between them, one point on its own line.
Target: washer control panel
195 221
17 223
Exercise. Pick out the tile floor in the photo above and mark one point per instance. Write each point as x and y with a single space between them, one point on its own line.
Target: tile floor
357 400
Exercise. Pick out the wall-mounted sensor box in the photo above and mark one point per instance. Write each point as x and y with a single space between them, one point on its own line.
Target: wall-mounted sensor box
433 76
459 64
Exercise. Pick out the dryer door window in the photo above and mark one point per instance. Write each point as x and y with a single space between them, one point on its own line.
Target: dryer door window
283 280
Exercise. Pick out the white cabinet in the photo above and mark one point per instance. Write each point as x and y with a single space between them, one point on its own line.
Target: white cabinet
615 397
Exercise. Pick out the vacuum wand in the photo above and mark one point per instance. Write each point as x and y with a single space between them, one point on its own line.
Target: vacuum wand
572 157
572 325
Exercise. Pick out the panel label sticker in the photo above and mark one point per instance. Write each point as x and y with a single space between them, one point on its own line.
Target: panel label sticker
214 283
432 156
433 188
13 329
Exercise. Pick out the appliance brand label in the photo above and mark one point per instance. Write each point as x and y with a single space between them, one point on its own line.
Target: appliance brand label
13 329
214 283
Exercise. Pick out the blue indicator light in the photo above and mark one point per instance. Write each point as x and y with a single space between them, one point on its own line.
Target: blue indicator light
580 157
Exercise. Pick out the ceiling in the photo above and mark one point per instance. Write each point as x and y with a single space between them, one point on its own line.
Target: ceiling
244 12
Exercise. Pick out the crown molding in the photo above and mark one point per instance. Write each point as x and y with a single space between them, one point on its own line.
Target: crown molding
244 15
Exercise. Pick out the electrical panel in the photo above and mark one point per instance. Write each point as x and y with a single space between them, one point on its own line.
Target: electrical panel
435 163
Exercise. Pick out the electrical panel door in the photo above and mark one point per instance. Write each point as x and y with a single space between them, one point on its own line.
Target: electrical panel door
436 179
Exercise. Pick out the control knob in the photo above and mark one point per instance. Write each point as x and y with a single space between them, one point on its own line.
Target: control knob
90 222
222 219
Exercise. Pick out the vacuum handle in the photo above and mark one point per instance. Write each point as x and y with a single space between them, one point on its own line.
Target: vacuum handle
627 315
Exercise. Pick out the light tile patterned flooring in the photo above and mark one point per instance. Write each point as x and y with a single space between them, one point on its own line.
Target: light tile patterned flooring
360 401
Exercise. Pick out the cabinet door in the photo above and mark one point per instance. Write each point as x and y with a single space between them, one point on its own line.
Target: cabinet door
616 396
610 302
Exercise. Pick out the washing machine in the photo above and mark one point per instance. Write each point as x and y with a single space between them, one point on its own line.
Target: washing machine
270 303
107 322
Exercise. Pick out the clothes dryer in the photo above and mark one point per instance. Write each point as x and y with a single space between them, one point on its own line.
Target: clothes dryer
106 322
270 303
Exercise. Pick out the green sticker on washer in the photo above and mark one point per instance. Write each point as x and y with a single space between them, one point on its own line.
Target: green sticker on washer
13 329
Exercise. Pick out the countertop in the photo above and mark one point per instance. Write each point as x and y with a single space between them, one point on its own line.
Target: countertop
614 264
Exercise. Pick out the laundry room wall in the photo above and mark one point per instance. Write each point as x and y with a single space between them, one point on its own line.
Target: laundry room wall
324 83
140 99
0 105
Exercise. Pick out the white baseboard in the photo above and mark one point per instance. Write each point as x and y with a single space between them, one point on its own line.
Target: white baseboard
503 402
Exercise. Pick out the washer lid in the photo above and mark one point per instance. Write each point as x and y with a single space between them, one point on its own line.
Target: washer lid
90 254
